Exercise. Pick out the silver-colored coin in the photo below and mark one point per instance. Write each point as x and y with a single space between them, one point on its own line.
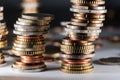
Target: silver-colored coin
77 56
30 27
70 26
82 31
42 29
32 23
30 71
28 33
88 11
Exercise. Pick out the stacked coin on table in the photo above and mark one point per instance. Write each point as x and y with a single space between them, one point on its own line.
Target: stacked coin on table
30 43
30 6
3 33
83 29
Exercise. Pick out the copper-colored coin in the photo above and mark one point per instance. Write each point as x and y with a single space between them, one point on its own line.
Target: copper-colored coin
75 37
31 57
69 53
30 37
78 41
32 61
77 61
19 62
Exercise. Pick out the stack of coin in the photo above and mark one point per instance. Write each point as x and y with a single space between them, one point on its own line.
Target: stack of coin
30 6
30 43
3 33
83 29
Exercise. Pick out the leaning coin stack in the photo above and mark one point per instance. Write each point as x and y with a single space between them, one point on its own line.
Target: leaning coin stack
30 6
3 33
83 29
30 43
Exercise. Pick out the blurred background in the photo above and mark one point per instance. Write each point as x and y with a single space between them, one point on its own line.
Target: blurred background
60 8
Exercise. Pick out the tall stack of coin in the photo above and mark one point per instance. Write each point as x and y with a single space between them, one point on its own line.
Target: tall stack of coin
83 29
3 33
30 6
30 43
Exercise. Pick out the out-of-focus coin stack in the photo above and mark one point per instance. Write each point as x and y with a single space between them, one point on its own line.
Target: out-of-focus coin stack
84 28
3 33
30 6
30 43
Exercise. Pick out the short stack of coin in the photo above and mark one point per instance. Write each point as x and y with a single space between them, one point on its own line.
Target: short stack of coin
3 34
30 6
83 29
30 43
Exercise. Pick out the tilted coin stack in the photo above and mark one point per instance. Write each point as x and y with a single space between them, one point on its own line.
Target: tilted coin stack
3 33
84 28
30 6
30 43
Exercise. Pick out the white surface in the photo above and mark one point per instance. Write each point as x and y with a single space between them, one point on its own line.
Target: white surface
101 72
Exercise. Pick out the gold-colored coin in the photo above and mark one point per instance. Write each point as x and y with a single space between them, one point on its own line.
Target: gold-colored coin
73 65
30 42
28 49
28 45
77 72
76 68
76 44
27 53
77 47
74 51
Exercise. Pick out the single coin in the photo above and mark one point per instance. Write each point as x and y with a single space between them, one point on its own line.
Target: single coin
88 11
34 16
27 53
28 33
81 56
77 72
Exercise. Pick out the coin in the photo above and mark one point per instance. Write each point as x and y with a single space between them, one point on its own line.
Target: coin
110 61
88 11
77 56
28 33
38 16
77 72
76 61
